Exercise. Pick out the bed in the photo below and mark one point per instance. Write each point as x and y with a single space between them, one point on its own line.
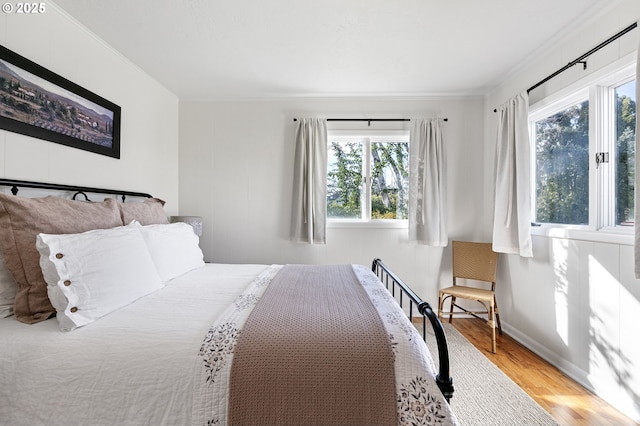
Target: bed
172 340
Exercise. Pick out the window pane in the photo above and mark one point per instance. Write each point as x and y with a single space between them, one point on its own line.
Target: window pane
625 152
562 166
389 180
344 180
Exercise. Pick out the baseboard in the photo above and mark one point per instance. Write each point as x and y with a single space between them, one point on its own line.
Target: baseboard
568 368
562 364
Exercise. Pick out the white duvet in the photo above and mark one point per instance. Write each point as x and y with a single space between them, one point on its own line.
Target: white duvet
141 365
134 366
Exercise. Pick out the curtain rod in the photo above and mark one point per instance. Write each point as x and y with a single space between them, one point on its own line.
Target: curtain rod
581 60
369 120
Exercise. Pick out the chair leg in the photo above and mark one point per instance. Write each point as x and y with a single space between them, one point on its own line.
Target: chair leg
495 304
453 301
492 324
440 302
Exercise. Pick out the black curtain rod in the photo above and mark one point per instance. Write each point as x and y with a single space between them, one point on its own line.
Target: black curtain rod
369 120
581 59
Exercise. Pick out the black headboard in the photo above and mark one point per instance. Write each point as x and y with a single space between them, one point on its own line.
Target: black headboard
83 190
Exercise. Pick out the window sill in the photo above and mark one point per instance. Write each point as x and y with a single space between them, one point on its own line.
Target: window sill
378 224
607 235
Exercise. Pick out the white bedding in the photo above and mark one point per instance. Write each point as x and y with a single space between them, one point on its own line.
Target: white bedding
419 400
84 377
43 371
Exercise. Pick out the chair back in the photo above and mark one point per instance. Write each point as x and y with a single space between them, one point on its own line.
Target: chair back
476 261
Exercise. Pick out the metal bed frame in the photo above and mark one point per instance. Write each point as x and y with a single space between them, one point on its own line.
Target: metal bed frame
393 283
77 190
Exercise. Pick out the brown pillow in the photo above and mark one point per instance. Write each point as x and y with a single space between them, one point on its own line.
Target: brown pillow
21 220
148 212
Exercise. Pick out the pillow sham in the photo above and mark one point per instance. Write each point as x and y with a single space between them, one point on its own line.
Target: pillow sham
21 220
8 288
174 248
92 274
147 212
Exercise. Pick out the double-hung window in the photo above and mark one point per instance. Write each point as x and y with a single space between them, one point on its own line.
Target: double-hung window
368 176
583 144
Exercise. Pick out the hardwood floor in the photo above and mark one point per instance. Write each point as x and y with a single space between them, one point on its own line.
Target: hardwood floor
567 401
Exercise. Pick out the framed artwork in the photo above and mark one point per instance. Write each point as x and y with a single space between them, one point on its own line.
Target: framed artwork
39 103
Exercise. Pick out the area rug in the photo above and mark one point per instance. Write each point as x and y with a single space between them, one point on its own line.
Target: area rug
484 395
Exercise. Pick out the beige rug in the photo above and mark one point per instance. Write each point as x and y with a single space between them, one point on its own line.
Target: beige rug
484 395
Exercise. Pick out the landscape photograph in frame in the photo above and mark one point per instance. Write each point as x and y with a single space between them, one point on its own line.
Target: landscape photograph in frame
39 103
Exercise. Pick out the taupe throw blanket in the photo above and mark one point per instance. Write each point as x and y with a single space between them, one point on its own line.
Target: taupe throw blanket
314 351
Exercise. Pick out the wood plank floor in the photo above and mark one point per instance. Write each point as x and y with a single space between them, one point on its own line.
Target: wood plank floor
567 401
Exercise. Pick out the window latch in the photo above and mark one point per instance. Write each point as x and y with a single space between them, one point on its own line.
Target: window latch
601 157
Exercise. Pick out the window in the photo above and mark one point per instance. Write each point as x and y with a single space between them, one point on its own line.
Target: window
625 119
583 144
562 166
368 176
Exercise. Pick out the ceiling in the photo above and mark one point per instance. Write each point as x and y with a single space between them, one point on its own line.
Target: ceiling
246 49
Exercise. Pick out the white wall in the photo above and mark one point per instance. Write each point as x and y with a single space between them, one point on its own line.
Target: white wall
576 302
149 136
236 170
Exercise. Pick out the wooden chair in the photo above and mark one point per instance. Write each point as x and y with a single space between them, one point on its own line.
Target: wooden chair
473 261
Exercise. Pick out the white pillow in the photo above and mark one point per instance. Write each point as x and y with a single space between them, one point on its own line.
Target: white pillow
91 274
174 248
8 289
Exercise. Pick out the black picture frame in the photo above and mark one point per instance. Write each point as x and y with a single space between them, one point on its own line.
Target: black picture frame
40 103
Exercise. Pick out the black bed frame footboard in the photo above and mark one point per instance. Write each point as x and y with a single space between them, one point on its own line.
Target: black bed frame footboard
393 284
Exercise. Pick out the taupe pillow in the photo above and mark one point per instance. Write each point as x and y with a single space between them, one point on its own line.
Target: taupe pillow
147 212
21 220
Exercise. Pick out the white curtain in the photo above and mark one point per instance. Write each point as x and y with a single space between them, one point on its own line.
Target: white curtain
427 189
637 174
512 214
308 221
